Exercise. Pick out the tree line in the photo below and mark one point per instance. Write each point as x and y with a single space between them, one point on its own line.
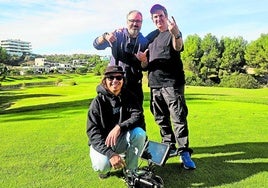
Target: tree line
212 61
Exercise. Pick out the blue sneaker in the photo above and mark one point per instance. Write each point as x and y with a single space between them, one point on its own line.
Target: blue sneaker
187 161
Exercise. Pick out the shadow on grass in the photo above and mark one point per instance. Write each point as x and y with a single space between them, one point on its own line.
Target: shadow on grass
46 108
11 97
192 96
7 99
218 165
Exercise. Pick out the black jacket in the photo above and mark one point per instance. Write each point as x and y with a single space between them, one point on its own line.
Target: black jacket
101 119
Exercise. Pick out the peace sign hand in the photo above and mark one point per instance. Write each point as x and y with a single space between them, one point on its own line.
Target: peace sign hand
172 26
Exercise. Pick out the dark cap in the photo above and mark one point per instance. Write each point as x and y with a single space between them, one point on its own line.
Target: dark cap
114 69
158 7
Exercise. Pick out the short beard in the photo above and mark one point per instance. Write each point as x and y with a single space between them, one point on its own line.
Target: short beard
133 32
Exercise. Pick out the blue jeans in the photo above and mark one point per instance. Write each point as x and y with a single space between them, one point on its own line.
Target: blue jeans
129 143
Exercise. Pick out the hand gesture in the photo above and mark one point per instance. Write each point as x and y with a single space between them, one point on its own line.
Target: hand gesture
142 56
172 26
110 37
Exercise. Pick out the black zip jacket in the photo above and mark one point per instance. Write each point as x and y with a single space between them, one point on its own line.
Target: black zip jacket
101 120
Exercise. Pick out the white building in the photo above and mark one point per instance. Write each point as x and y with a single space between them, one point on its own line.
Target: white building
41 62
16 46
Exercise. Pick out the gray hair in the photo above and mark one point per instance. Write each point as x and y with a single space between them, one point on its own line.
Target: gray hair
134 11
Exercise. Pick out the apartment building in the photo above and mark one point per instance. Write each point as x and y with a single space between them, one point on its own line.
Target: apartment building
16 46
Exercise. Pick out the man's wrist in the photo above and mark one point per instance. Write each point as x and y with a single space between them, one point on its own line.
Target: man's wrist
144 64
177 36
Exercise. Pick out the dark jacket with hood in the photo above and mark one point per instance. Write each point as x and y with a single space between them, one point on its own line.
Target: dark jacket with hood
102 117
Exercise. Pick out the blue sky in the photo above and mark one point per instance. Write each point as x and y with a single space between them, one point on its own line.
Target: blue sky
70 26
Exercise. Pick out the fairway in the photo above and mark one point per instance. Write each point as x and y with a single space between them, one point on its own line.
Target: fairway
44 142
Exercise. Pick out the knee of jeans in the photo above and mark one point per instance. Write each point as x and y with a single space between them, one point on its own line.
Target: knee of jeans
139 134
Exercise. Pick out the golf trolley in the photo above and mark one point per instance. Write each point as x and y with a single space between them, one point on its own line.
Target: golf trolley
155 154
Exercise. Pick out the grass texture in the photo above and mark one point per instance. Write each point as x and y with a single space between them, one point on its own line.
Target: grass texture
44 142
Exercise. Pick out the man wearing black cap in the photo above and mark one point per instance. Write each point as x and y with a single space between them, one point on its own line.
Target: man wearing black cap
114 125
166 81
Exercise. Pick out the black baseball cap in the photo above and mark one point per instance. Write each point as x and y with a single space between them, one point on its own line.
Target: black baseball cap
114 69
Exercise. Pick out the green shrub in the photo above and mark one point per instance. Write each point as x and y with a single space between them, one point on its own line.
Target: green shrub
23 85
239 81
81 70
193 80
58 81
99 69
14 72
72 83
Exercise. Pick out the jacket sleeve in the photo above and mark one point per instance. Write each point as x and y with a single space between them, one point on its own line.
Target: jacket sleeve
96 131
98 46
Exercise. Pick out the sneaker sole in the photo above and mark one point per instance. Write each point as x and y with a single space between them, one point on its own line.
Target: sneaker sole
173 155
188 168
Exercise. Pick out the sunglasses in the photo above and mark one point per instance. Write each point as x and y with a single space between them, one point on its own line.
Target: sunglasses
111 78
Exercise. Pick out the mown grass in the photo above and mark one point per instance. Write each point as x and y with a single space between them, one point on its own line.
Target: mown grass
44 144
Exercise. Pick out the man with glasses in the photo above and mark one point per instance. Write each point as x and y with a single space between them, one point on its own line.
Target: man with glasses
125 44
114 125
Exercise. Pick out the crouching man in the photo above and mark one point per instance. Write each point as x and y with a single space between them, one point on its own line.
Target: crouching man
114 125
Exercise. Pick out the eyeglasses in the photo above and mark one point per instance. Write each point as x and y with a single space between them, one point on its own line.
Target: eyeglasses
111 78
137 21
